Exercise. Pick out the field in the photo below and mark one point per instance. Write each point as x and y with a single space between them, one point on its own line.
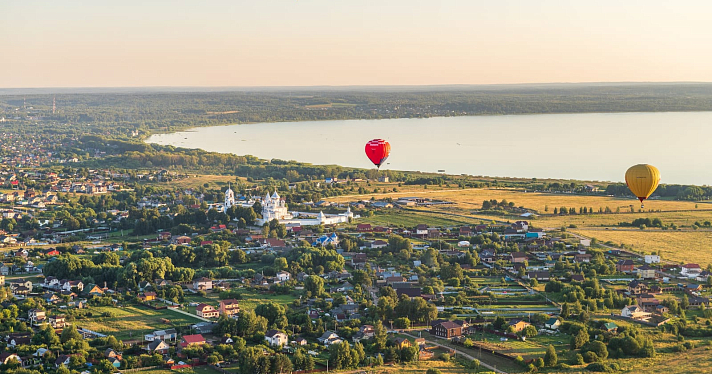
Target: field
472 199
132 322
683 246
250 299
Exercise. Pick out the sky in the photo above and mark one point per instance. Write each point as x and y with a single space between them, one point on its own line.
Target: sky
333 42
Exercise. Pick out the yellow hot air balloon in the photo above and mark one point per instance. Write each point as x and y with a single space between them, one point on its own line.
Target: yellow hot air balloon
642 180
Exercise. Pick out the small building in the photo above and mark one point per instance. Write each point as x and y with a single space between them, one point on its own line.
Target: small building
203 284
610 327
276 338
401 343
447 329
229 307
552 324
645 272
634 312
206 311
188 340
518 325
625 266
652 259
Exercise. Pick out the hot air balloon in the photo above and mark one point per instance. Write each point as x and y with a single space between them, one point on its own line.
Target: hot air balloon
642 180
377 151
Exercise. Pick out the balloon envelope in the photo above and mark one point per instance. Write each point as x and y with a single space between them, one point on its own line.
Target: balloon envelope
642 180
377 151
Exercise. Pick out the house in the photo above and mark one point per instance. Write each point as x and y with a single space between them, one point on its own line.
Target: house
518 257
518 325
364 227
21 282
447 329
283 276
645 272
187 340
378 244
578 278
582 257
206 311
690 270
52 252
58 321
652 259
610 327
229 307
661 309
637 287
167 335
115 362
696 302
552 324
110 353
624 266
147 296
276 338
6 358
364 332
203 284
158 346
71 285
300 341
182 240
401 343
538 275
634 312
95 290
36 316
421 230
62 360
329 338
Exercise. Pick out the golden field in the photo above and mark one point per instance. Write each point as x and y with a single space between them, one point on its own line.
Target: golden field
680 246
685 246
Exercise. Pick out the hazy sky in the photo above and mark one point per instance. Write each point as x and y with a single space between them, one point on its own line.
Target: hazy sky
339 42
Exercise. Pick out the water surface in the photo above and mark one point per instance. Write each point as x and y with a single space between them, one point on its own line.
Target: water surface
595 146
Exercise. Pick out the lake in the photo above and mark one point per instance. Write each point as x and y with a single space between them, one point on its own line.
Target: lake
597 146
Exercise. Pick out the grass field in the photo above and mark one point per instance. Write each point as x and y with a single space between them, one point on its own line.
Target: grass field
684 246
472 199
132 322
250 299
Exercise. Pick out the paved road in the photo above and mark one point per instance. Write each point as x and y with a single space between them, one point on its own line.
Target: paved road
488 366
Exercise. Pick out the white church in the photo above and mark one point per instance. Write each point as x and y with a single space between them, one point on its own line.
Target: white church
274 207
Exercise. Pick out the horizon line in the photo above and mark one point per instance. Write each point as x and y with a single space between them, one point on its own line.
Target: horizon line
353 86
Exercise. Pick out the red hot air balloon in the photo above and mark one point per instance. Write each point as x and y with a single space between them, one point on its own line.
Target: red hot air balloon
377 151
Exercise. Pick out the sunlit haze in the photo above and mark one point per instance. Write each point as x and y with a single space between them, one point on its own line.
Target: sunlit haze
306 43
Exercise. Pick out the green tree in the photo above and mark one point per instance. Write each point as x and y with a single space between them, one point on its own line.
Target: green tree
580 339
70 333
550 358
380 336
280 363
314 284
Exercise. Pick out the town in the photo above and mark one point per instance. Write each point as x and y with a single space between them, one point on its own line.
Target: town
111 271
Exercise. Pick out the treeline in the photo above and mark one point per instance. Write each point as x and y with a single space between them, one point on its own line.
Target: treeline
676 191
147 112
